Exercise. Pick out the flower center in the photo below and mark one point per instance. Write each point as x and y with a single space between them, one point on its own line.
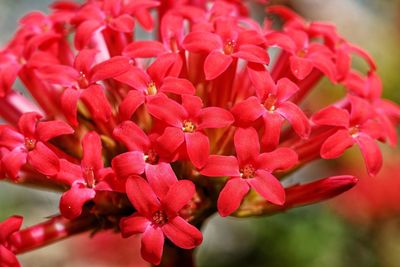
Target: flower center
188 127
30 143
270 102
83 82
151 88
152 157
302 52
229 47
160 218
354 131
247 171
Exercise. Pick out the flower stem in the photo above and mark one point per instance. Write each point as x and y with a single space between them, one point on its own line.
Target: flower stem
53 230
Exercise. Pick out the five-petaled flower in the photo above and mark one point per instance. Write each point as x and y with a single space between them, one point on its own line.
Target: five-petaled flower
158 217
357 126
249 169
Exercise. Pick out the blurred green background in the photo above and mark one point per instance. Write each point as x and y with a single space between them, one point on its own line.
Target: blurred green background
309 236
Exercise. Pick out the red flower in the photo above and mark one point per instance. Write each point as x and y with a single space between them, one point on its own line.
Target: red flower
29 144
226 44
160 77
186 124
158 217
86 179
249 169
116 16
81 82
7 228
272 104
145 156
357 126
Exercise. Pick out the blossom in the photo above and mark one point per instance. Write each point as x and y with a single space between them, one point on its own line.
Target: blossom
272 104
28 144
249 169
358 126
158 217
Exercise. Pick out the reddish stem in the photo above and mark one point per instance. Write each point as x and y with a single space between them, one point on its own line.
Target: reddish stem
48 232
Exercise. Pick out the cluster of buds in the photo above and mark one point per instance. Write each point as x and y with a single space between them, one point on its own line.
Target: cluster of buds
153 136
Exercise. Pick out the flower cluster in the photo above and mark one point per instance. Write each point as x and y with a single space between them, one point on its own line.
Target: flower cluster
152 136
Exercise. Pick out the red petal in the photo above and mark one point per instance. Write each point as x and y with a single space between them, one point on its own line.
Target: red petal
69 173
248 110
69 105
195 42
132 136
247 145
123 23
130 104
97 102
221 166
142 196
214 117
85 59
285 89
13 161
280 159
296 118
135 78
336 144
361 110
192 104
144 49
10 138
27 123
152 245
50 129
182 234
58 74
44 160
332 116
84 33
160 177
166 110
179 194
198 148
9 226
261 79
177 86
165 65
252 53
92 151
281 40
301 67
371 153
325 64
268 187
8 259
171 139
145 19
231 196
134 224
272 130
72 201
129 163
109 69
215 64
